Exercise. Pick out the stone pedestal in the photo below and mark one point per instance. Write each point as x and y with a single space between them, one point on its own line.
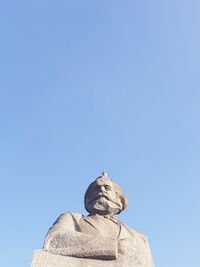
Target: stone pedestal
45 259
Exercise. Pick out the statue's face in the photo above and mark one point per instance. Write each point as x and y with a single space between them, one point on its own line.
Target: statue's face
103 199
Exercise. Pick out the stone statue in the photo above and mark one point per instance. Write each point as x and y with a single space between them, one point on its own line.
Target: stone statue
98 239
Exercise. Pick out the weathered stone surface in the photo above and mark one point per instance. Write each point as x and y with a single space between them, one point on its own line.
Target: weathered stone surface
45 259
98 239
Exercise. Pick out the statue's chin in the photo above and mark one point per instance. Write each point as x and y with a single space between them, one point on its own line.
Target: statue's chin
101 204
105 207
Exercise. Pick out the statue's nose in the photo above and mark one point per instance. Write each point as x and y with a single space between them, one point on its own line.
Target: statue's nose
102 189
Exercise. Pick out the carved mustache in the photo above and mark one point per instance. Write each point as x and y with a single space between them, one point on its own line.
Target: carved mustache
99 195
102 195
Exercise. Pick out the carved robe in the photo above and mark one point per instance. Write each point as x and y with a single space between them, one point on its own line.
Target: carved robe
97 237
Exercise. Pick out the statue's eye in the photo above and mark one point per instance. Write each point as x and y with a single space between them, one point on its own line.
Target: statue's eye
108 188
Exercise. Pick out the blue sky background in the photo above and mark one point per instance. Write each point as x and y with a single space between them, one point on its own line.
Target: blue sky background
92 85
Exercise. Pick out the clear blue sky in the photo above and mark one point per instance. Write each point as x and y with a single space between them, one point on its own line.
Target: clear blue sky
92 85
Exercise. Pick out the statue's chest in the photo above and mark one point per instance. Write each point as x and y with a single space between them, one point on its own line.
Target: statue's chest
98 225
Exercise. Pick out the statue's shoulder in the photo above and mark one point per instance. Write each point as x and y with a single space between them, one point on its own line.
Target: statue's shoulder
66 221
140 234
69 216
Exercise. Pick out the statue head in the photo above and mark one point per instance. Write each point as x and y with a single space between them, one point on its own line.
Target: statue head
104 197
